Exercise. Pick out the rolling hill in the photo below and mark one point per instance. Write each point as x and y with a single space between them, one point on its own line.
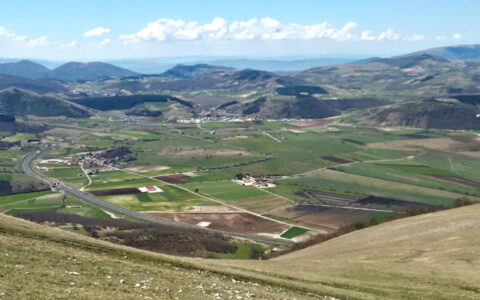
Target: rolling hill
429 113
18 102
37 86
25 68
397 78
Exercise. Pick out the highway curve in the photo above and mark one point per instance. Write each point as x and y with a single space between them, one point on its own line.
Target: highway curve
26 166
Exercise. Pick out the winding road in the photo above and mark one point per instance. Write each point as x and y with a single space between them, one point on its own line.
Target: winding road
26 166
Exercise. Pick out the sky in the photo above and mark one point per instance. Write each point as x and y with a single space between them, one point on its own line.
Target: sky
107 29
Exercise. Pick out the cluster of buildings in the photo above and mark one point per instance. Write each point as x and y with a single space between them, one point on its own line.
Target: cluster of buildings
150 189
96 160
54 161
247 179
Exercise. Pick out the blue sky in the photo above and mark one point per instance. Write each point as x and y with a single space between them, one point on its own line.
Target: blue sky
261 28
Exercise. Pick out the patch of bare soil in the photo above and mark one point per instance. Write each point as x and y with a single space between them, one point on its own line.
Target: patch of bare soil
326 219
388 204
441 144
173 178
239 222
147 168
467 139
208 209
311 123
318 197
202 152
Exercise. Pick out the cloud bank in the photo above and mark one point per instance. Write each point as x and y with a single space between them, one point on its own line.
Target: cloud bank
99 31
266 29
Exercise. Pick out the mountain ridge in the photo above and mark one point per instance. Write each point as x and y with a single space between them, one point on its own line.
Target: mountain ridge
71 71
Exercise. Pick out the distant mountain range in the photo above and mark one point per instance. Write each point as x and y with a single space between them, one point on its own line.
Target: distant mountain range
72 71
415 90
460 52
279 66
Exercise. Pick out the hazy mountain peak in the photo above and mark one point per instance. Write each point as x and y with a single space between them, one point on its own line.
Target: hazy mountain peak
24 68
88 71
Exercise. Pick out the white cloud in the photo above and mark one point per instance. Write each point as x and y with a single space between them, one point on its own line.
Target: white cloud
7 34
104 42
415 37
441 38
99 31
346 33
367 35
70 45
390 34
101 44
38 42
456 36
253 29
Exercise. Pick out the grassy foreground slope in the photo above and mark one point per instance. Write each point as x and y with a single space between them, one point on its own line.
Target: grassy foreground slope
432 256
39 262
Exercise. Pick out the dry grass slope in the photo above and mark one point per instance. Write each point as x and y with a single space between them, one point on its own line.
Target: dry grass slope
432 256
39 262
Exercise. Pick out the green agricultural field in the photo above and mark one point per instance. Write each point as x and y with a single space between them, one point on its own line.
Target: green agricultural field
225 190
31 202
114 176
6 200
171 199
65 173
82 209
341 181
461 165
244 251
411 174
19 137
294 232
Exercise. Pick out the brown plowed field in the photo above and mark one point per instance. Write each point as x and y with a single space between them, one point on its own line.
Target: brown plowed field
328 219
230 222
174 178
319 197
457 180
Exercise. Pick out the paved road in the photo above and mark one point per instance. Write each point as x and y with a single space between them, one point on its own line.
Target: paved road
26 165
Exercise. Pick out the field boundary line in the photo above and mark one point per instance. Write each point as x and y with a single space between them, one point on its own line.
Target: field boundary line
272 137
87 176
